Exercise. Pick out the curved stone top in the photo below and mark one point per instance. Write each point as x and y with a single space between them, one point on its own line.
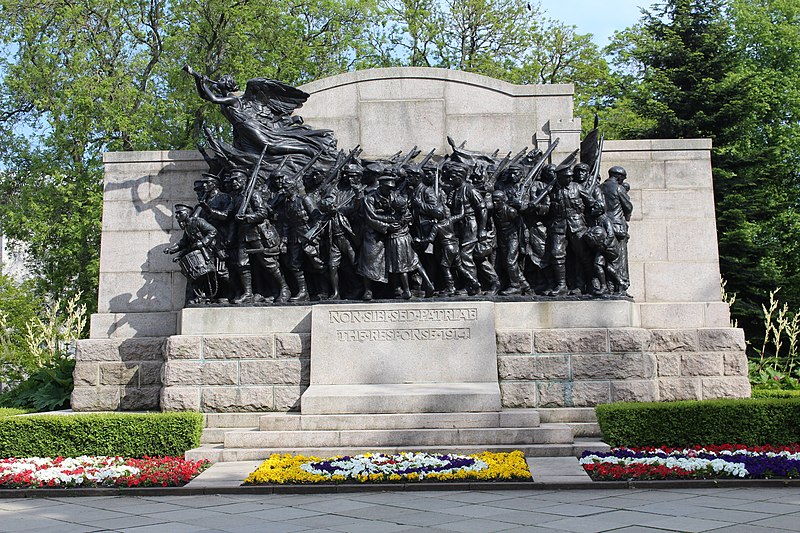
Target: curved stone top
452 76
389 109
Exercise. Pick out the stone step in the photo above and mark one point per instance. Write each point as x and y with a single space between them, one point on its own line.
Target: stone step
519 418
232 420
553 434
216 454
585 429
401 398
217 435
567 414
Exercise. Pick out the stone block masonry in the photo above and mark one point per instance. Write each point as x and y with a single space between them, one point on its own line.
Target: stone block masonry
584 367
235 373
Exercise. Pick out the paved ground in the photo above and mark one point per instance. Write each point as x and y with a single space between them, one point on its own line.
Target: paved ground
741 509
735 510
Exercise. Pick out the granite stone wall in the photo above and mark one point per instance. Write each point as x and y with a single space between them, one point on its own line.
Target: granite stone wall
585 367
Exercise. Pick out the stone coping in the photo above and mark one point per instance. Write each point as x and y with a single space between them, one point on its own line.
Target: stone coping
533 314
454 76
640 145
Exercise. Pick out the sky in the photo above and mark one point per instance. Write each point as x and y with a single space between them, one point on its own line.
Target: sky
598 17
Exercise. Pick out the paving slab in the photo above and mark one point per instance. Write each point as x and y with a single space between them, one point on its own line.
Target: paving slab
224 475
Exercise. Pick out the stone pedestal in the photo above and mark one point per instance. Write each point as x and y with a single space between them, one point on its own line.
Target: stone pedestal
402 358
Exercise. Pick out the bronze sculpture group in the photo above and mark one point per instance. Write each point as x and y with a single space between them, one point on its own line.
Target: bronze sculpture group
282 216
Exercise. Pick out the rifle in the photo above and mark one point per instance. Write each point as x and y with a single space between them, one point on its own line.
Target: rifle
215 147
338 166
527 182
498 170
251 185
420 165
414 152
570 158
320 224
519 156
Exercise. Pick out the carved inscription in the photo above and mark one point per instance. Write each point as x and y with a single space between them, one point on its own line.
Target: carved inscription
390 316
411 334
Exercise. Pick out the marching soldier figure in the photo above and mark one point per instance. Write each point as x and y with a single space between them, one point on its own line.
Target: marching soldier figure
255 237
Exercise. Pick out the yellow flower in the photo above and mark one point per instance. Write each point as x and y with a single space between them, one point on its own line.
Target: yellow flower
286 468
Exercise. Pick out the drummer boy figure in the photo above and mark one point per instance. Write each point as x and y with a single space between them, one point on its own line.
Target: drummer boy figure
196 246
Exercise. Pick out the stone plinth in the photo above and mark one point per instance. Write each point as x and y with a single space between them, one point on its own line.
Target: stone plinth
403 358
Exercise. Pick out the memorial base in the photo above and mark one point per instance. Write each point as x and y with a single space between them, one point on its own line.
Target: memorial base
401 398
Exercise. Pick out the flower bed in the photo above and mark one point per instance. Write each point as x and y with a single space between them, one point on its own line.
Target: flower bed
700 462
401 467
88 471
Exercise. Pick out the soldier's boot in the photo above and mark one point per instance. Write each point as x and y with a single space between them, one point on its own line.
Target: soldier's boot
284 293
514 283
493 280
524 286
406 294
246 277
560 270
334 279
302 290
449 284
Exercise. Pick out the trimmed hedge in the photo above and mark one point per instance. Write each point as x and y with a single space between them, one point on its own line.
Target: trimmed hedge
127 435
12 411
686 423
775 393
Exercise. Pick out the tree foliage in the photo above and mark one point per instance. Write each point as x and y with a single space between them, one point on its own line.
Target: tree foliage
81 78
730 71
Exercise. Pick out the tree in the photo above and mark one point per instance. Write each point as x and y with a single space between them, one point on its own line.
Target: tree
509 39
82 78
727 71
77 80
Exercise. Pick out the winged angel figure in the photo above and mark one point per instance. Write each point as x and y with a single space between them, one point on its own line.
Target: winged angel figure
262 117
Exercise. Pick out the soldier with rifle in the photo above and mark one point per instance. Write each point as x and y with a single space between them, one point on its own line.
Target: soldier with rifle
296 214
469 207
256 237
535 207
619 208
568 202
339 208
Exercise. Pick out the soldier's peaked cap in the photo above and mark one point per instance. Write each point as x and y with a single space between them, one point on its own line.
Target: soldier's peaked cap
618 171
566 169
352 168
183 207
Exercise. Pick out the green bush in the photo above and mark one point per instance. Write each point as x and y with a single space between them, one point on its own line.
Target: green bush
127 435
47 389
686 423
7 411
776 393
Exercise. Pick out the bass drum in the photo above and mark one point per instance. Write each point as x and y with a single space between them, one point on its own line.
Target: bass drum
195 264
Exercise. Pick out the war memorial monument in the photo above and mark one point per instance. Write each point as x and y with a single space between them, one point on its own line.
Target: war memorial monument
426 259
